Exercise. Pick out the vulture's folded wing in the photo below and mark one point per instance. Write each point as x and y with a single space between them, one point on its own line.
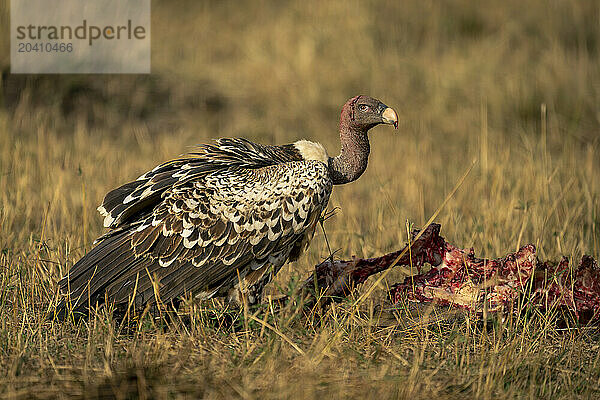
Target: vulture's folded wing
205 233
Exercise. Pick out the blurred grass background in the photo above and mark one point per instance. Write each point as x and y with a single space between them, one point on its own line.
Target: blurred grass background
513 85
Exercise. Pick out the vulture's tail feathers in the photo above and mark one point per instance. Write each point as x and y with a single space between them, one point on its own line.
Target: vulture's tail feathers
86 281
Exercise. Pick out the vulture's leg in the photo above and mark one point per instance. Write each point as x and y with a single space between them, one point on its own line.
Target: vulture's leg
252 286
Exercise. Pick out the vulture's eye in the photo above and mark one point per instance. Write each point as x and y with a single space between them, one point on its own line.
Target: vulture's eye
363 107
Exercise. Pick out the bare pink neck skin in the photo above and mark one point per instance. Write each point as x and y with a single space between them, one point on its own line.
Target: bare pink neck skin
349 165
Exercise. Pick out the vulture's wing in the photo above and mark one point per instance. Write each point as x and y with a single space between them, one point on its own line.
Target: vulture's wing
206 231
127 203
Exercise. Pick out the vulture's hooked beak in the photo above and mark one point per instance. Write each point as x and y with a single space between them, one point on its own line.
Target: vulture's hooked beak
390 117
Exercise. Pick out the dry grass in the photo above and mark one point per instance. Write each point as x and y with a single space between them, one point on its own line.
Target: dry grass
515 86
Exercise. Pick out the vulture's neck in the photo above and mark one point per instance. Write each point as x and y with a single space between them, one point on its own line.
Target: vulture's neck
349 165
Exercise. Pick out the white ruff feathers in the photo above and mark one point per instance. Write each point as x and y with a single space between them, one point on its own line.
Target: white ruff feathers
312 151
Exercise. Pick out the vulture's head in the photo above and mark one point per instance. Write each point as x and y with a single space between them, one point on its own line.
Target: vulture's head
359 114
364 112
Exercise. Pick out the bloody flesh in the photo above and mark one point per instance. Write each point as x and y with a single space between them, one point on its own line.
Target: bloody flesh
458 278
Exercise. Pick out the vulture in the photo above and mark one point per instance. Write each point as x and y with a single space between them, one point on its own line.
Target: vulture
219 221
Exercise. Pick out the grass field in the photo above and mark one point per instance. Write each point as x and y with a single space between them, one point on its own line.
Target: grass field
514 86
